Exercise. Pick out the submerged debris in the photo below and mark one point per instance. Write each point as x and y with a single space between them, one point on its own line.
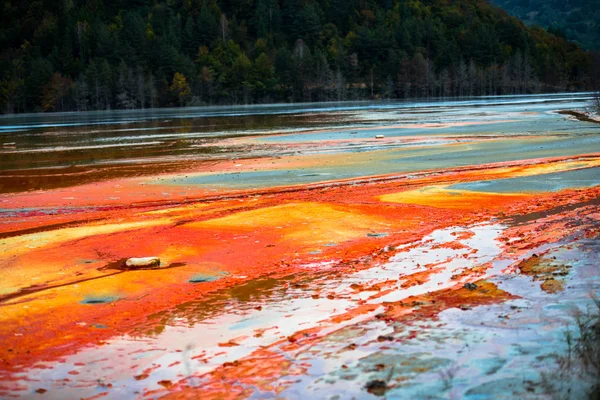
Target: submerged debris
99 299
376 387
377 234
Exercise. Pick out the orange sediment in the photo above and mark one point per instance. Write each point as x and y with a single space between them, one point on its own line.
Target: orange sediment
53 264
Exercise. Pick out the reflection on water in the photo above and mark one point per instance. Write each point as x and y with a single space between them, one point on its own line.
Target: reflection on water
22 122
235 322
484 342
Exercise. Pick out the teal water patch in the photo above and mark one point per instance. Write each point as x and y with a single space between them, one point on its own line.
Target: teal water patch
99 299
441 128
494 151
258 179
507 388
245 323
552 182
401 161
200 278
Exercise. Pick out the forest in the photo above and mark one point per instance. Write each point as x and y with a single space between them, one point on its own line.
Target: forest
577 20
77 55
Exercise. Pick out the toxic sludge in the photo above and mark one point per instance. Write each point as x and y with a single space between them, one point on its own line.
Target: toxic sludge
292 253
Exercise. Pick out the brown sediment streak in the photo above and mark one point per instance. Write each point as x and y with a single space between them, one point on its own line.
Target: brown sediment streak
23 180
118 265
525 218
580 116
45 228
37 289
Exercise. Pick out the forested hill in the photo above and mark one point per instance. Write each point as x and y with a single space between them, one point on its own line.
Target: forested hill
60 55
577 20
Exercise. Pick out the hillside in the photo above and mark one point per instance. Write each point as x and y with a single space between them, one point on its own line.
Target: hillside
81 55
577 20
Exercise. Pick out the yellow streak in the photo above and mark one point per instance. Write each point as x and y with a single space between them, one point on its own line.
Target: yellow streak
442 197
310 223
27 243
539 169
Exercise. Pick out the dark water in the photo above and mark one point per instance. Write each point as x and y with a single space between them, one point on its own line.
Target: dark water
42 151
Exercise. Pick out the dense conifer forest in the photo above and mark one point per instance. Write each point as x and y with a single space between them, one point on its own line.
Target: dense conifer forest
76 55
577 20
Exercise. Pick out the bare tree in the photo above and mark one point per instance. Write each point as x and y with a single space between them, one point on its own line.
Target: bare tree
340 85
224 26
82 94
151 90
461 78
141 88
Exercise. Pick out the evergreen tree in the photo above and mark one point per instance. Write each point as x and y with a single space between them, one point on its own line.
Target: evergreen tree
71 55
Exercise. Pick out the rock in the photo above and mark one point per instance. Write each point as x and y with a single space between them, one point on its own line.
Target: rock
379 136
385 338
376 387
143 262
470 286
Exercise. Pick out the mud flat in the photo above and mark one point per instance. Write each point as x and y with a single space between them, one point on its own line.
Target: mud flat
308 259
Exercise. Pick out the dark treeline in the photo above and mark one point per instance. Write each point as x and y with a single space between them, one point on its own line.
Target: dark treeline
63 55
577 20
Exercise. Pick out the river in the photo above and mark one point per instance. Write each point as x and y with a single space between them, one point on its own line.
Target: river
415 249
